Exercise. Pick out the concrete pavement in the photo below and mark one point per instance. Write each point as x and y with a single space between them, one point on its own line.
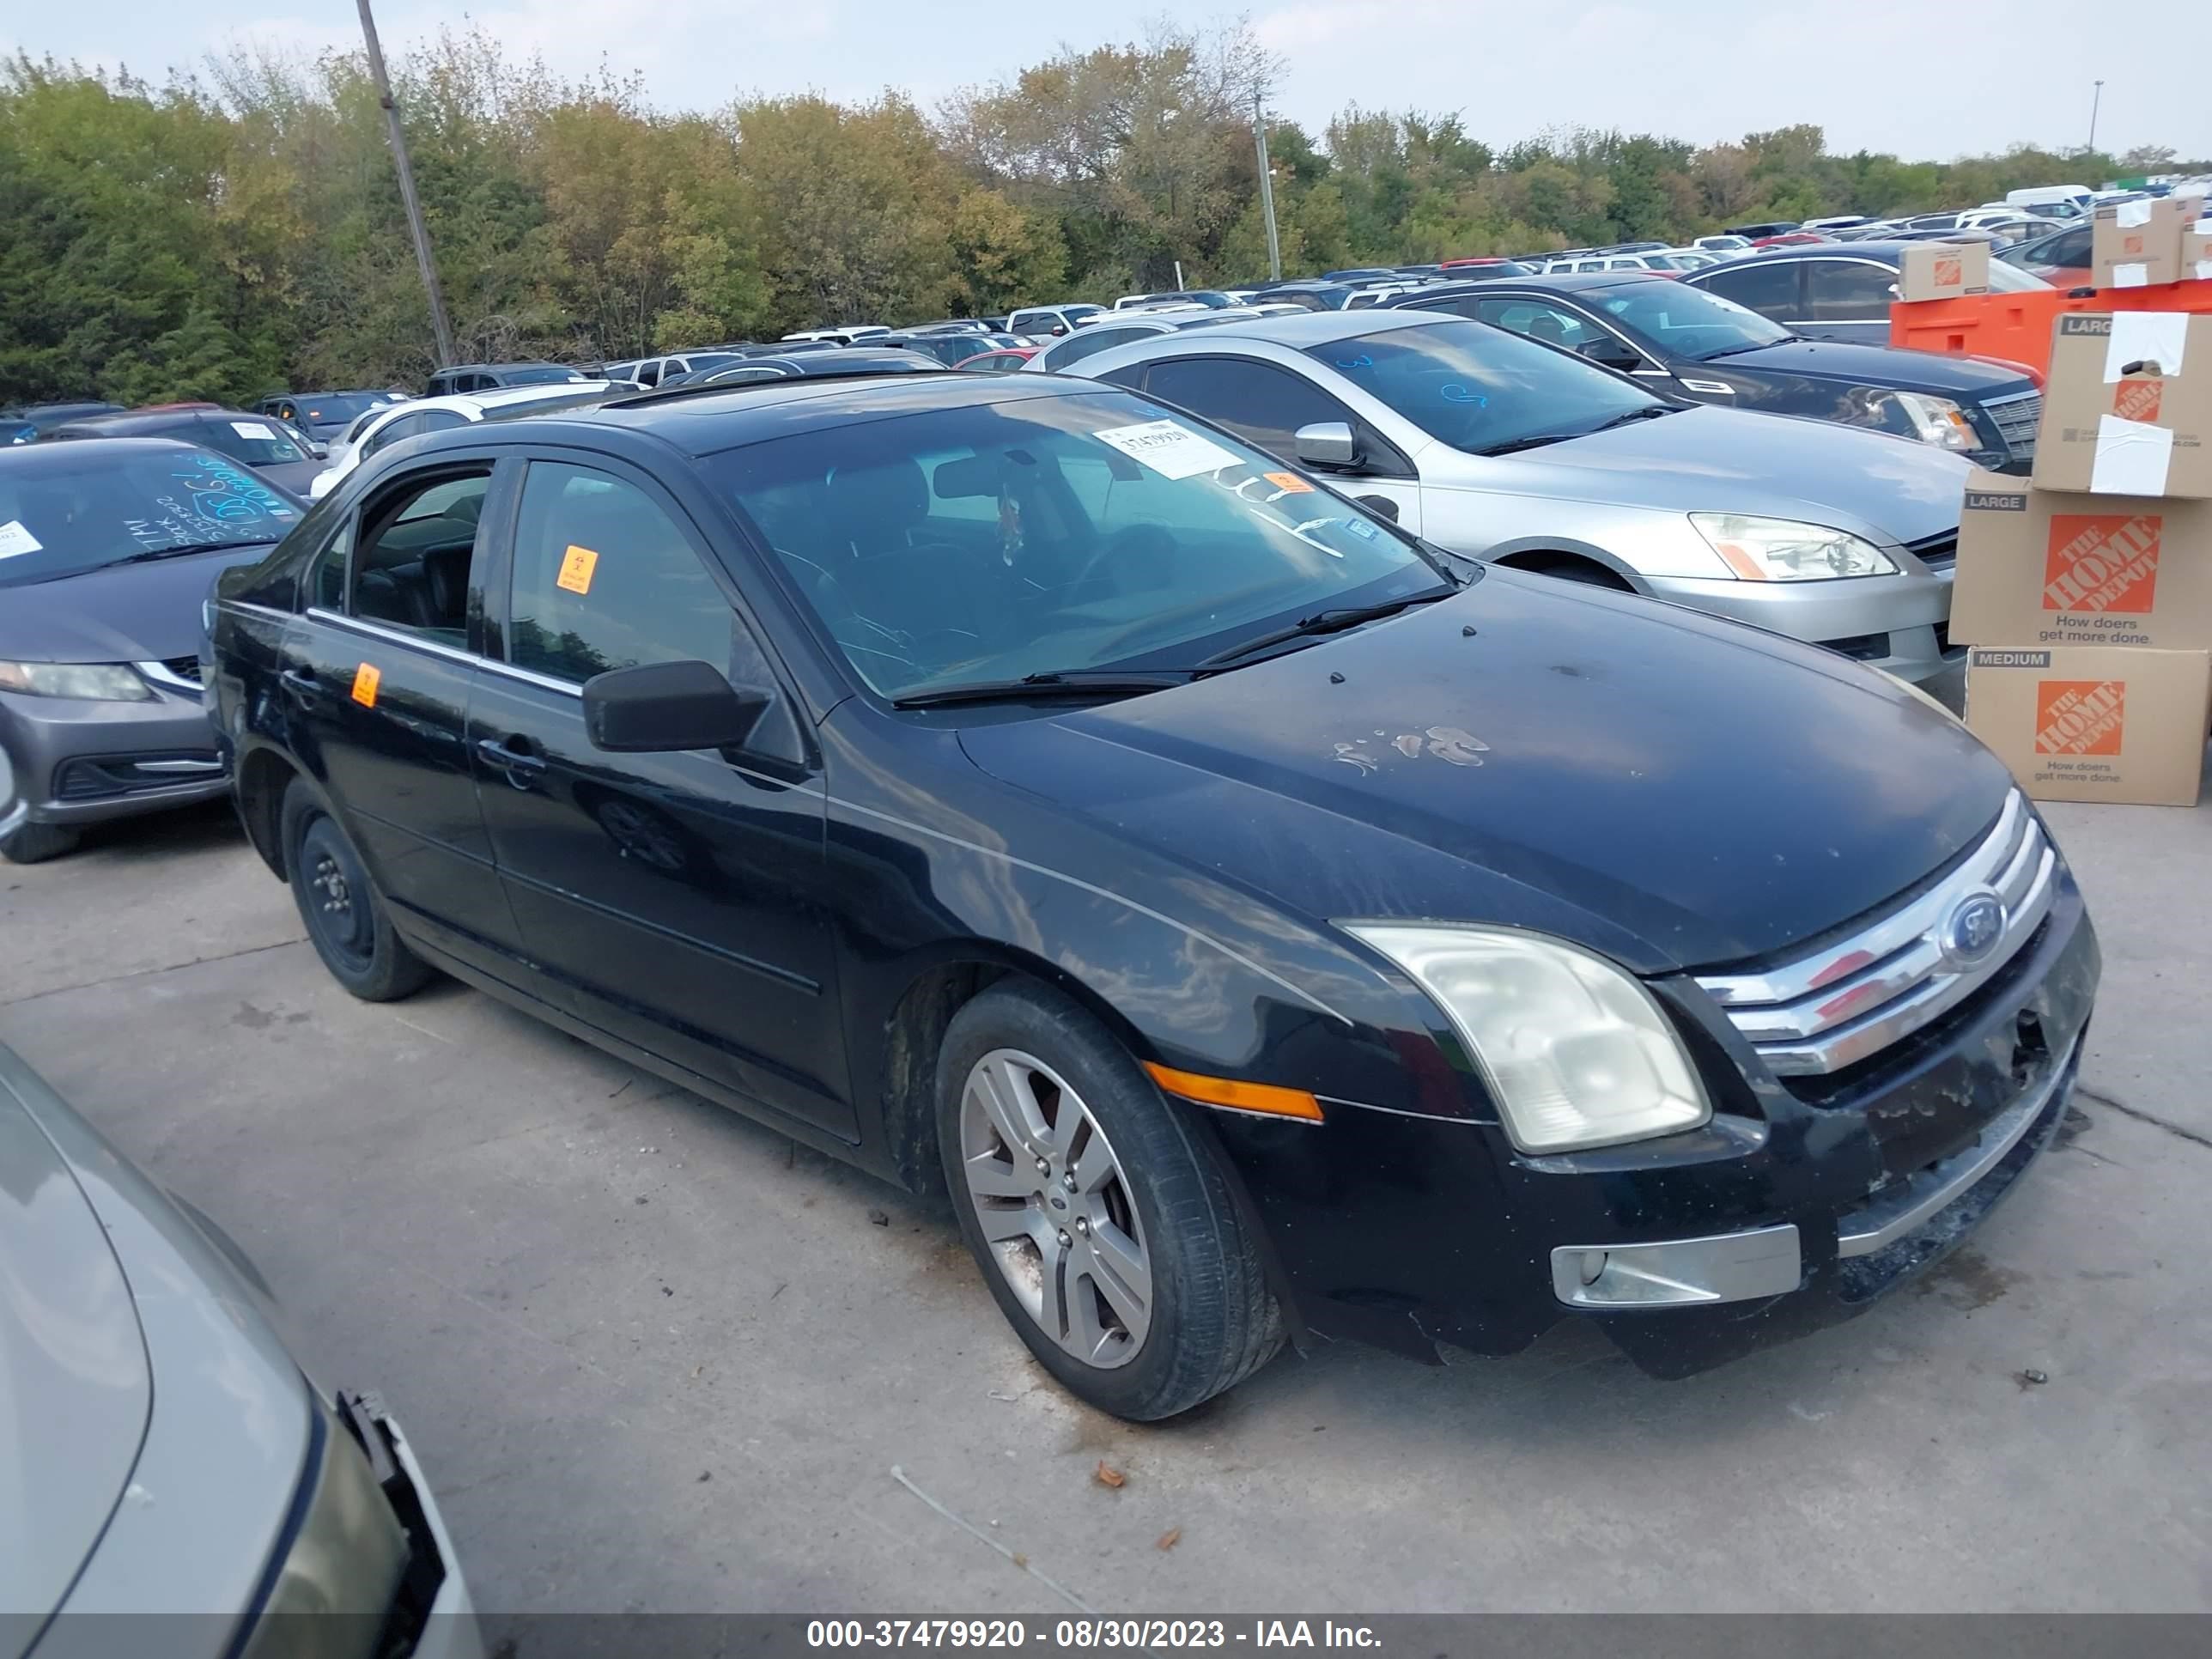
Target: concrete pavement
656 1359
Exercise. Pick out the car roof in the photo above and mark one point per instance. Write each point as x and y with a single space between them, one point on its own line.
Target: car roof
1565 281
709 419
1876 247
35 460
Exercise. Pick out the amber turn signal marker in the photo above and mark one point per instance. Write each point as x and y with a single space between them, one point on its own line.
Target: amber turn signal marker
1237 1096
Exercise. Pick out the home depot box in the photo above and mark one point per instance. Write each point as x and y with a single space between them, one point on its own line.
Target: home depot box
1943 271
2044 566
2135 244
2197 251
2128 407
2094 722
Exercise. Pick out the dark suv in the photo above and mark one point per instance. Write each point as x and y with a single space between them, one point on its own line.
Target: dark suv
483 376
1262 922
1675 337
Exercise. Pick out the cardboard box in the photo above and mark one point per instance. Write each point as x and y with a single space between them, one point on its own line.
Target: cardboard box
2136 244
2045 567
2094 722
2128 407
2196 252
1943 271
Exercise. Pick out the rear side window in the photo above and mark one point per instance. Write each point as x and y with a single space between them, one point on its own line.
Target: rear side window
1848 291
604 578
417 547
1769 290
1258 402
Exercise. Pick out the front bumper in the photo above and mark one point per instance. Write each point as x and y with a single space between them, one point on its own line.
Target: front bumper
1900 624
1797 1206
62 761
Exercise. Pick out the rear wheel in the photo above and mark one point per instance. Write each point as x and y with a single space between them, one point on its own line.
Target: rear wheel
1104 1227
34 843
345 916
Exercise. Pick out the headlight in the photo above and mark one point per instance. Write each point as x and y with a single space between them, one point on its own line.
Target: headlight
346 1559
1931 419
90 682
1576 1052
1785 550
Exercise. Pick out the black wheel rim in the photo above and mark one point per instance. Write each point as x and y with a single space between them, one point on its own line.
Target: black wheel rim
336 896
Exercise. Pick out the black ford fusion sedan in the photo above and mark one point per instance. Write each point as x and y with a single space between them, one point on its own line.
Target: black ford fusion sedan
1264 925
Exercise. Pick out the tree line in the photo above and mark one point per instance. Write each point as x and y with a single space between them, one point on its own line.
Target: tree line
237 230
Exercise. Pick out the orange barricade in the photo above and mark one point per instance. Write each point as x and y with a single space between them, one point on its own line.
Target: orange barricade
2015 328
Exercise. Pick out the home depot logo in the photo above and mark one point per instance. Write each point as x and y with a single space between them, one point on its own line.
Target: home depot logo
1950 272
2097 562
2138 399
2080 717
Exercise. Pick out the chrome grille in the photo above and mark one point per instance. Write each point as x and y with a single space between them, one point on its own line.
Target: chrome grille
1852 999
1936 552
2017 418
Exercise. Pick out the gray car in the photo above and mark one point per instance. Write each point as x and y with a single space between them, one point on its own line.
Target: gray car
106 551
1496 447
167 1455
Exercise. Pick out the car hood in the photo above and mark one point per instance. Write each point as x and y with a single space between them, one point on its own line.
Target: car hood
1730 460
293 477
76 1388
146 612
1675 790
1859 364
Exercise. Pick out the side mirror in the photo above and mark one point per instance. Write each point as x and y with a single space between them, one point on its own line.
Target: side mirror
662 707
1610 353
1325 443
317 451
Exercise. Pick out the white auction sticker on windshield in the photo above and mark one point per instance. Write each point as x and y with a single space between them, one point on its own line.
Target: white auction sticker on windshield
253 430
1170 450
15 539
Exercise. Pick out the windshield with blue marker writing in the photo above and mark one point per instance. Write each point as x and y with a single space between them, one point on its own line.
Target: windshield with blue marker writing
66 509
1052 536
1482 389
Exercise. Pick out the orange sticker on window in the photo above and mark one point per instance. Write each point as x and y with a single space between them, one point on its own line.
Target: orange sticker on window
1289 483
366 680
577 565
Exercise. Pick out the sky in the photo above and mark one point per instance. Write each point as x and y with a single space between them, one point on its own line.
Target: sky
1916 77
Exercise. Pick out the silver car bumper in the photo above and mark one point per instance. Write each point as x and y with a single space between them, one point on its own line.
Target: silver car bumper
62 761
1897 624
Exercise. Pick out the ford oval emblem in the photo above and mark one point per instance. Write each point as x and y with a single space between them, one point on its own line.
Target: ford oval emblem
1977 922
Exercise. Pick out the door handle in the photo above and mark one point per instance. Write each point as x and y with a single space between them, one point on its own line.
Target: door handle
301 684
519 765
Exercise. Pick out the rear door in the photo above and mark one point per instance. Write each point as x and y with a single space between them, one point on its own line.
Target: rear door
1775 288
377 676
1847 300
676 898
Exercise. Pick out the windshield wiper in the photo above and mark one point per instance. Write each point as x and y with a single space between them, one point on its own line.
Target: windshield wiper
1748 345
1650 411
152 553
1333 621
1071 683
1533 440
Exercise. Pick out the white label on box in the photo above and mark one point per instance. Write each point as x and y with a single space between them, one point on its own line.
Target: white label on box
15 539
2131 458
254 431
2204 270
2128 214
2146 336
2135 275
1171 450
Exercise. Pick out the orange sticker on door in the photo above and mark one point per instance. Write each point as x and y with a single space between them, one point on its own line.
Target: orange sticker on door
366 680
577 565
1289 483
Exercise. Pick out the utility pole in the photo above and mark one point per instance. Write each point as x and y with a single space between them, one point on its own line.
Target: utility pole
1267 188
2096 98
439 321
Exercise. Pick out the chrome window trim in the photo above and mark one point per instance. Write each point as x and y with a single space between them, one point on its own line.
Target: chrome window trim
1839 1005
438 648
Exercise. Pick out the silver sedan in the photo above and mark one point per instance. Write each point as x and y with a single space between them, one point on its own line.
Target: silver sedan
1501 448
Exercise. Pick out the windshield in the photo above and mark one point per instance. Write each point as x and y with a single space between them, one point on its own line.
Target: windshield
2011 279
340 406
65 511
543 376
1480 388
1052 535
257 440
1687 322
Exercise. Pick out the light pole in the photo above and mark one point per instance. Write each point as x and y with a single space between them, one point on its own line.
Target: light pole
439 324
2096 98
1267 193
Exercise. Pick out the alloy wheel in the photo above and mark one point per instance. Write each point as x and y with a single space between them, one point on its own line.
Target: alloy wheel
1056 1208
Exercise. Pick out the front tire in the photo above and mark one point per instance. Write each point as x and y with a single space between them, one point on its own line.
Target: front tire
34 843
344 915
1103 1225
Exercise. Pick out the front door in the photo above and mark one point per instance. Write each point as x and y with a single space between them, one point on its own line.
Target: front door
377 676
676 900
